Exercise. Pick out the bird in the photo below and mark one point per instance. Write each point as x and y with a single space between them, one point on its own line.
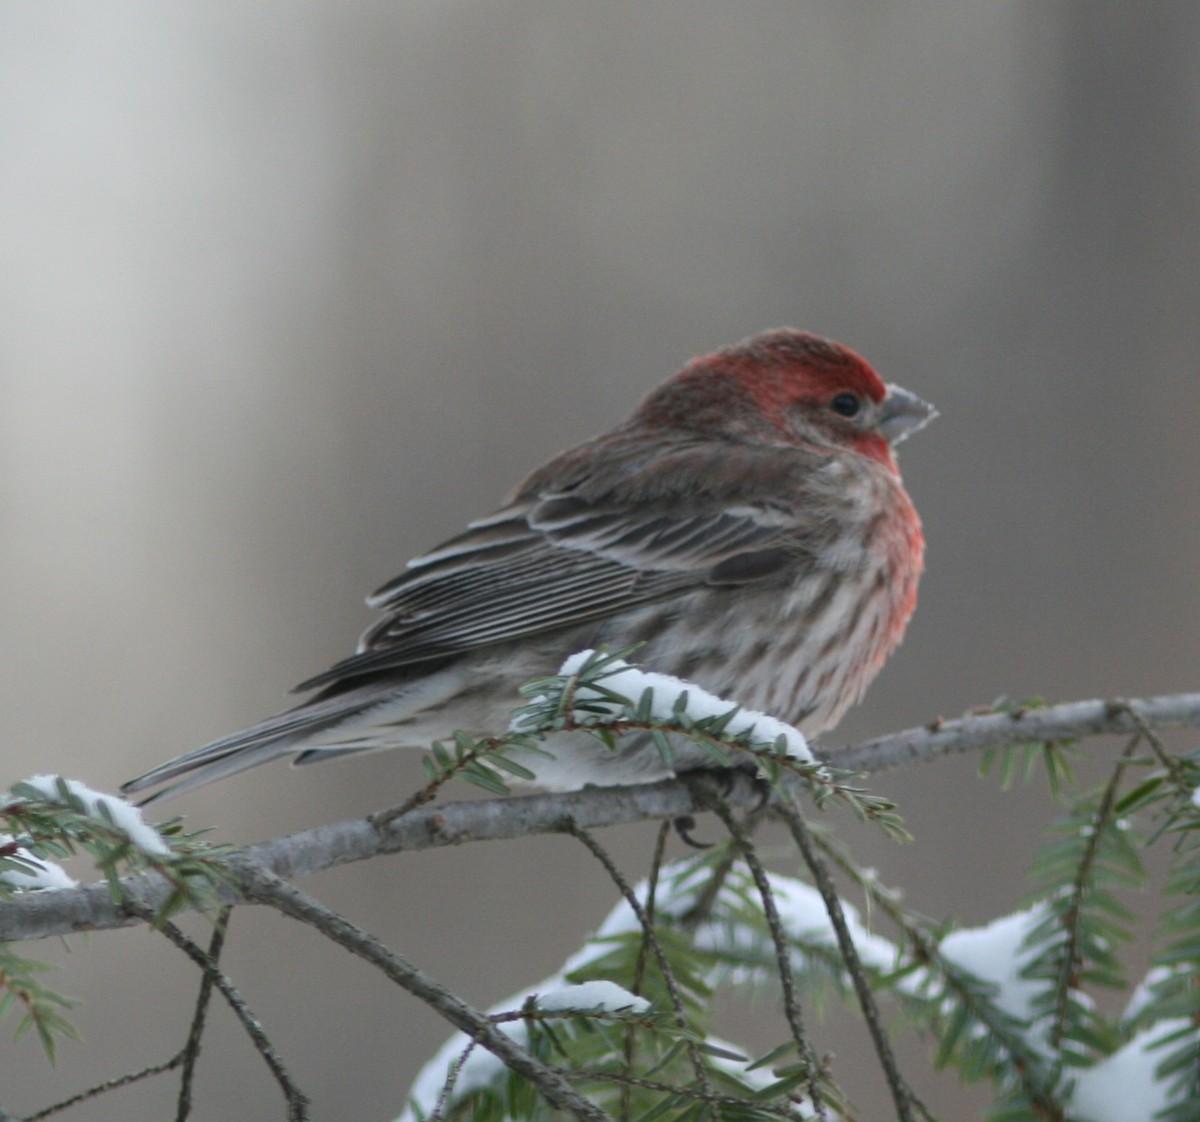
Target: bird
746 529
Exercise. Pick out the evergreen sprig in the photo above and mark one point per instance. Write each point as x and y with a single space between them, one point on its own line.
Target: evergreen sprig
41 1009
1171 1009
720 920
582 702
42 828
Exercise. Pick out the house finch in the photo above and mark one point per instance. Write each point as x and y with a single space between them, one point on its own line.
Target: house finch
746 525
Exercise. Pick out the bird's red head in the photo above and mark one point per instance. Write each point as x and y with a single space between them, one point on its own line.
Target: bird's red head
783 384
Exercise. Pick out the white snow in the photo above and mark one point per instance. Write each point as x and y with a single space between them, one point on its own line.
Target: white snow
481 1067
631 682
124 815
803 912
1123 1088
478 1070
1143 992
800 906
50 875
592 997
993 954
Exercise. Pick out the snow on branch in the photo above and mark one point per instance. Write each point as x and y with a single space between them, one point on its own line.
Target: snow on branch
36 914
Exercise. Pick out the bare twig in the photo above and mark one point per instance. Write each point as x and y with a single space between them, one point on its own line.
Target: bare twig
296 1099
1071 720
707 897
191 1049
1068 979
925 950
98 1089
902 1094
1169 763
452 1074
267 888
783 957
660 956
639 970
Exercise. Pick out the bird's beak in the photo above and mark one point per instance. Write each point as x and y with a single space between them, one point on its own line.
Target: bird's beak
903 413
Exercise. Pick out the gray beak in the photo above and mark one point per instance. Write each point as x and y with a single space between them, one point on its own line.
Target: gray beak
903 413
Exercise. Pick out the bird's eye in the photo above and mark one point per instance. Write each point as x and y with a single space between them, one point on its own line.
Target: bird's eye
846 404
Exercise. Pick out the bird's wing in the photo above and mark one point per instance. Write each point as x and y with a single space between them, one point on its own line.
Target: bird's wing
563 555
590 535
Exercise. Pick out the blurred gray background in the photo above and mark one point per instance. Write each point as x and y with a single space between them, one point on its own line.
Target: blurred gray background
291 291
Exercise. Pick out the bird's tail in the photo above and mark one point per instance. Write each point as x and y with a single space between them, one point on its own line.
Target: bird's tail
287 732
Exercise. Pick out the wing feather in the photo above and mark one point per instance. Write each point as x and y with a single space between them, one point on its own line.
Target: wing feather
562 555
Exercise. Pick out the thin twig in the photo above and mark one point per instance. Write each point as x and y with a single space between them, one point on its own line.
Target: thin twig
1170 763
902 1094
1073 915
660 955
706 899
191 1049
783 957
296 1099
99 1089
452 1074
656 864
639 969
381 820
185 1057
1025 1062
265 887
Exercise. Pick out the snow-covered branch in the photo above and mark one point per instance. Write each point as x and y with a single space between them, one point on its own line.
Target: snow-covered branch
45 912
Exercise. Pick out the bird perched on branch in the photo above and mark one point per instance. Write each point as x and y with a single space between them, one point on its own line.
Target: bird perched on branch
747 526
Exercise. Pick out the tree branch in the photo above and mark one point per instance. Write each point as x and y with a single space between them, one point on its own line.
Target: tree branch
269 889
36 914
297 1100
787 978
1071 720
